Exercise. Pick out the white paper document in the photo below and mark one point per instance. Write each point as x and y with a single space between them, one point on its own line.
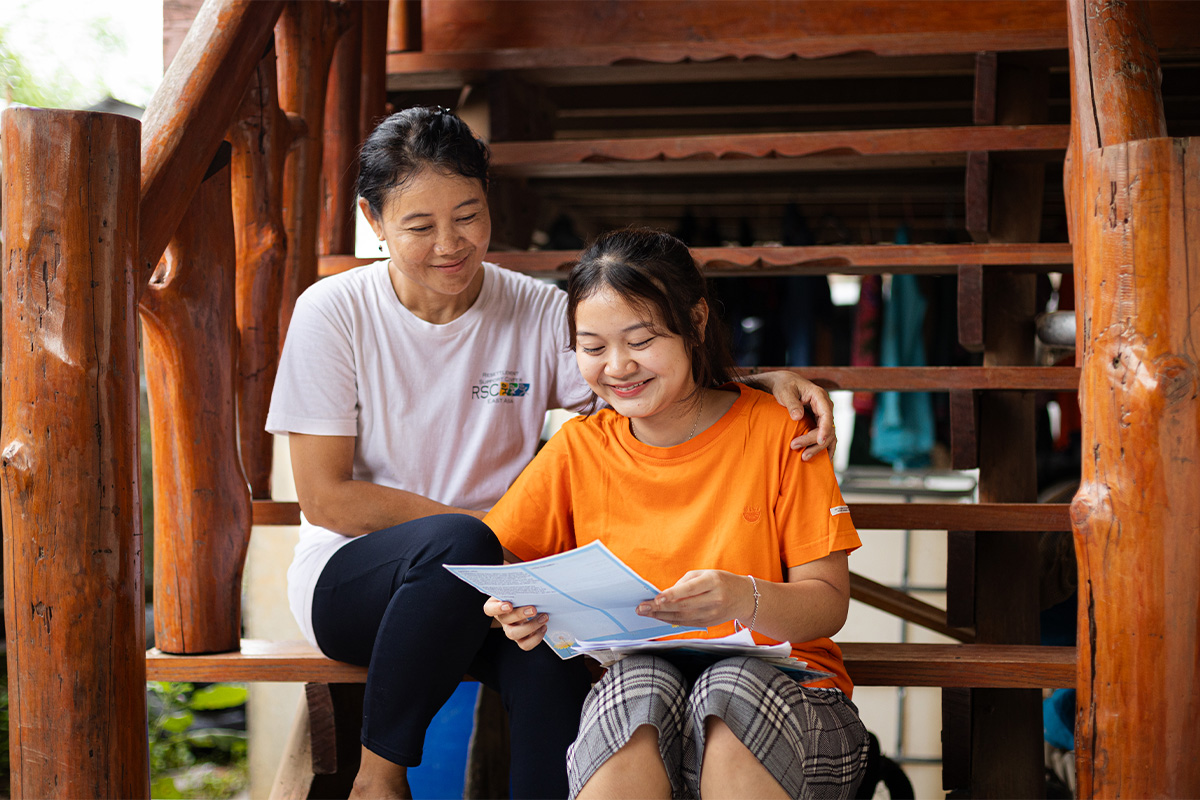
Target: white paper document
592 598
589 593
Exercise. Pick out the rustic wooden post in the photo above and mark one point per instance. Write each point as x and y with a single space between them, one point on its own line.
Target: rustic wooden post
305 37
201 500
1136 233
190 112
261 138
374 66
339 162
74 605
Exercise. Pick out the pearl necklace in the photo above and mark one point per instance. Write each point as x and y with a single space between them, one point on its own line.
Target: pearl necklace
695 424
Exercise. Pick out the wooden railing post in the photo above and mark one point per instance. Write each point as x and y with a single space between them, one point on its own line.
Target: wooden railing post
1136 236
305 37
339 161
74 604
201 499
261 138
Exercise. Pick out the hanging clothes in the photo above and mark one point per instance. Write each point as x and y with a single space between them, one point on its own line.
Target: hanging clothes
903 433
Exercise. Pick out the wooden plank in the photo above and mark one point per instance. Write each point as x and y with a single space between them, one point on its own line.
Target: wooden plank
964 429
875 516
73 587
554 157
869 664
970 307
341 138
922 259
190 112
905 606
938 379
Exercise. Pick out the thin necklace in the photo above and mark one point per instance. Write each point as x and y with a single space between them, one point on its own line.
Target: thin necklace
695 424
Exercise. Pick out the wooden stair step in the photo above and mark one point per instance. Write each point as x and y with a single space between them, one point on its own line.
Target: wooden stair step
1027 517
889 148
869 664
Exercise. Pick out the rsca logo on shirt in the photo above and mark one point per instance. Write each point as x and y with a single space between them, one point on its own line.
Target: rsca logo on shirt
499 386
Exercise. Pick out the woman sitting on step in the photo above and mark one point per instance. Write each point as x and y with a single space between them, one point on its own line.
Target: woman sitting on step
682 480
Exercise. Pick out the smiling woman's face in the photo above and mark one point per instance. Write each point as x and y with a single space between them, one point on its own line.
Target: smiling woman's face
632 361
437 229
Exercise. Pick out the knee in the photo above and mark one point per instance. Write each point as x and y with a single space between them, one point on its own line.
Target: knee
463 539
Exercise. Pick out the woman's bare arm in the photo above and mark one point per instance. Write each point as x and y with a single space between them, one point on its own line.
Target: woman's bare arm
330 497
813 603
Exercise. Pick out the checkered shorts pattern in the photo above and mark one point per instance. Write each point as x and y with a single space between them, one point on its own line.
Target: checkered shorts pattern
810 740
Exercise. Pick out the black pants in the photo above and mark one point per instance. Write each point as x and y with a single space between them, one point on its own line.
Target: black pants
385 601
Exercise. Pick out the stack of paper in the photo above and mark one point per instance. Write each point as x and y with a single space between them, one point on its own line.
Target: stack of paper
591 597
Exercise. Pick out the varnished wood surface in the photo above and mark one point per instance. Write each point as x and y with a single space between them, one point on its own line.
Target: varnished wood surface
305 37
904 606
1030 517
1137 511
869 664
918 259
260 137
342 135
201 497
939 379
73 586
739 152
191 110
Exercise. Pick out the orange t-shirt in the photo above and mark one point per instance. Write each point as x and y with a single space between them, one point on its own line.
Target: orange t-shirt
735 497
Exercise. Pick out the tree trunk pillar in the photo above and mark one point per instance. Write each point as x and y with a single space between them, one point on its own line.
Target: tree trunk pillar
201 499
1137 512
74 604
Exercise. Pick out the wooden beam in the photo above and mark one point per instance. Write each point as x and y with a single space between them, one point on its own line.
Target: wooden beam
938 379
73 586
869 664
201 497
1027 517
191 110
922 259
553 157
904 606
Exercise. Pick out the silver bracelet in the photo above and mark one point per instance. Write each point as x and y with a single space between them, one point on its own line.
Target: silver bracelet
754 616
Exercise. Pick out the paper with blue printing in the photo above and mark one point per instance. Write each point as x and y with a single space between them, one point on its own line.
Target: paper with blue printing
591 597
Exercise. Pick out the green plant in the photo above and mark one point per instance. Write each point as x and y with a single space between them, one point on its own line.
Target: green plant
178 748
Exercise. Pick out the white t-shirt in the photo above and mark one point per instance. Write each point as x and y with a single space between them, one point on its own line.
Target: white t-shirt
451 412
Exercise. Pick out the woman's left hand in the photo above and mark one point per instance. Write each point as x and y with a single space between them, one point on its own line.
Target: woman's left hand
701 598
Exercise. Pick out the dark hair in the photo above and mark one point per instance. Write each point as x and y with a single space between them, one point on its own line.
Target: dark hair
412 139
655 271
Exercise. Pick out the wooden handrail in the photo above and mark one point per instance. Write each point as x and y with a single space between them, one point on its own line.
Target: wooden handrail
869 664
1027 517
189 114
939 379
905 606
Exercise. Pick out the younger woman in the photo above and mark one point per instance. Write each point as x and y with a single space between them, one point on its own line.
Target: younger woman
682 479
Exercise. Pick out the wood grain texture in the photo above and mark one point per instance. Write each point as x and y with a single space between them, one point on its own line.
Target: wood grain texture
1032 517
201 498
938 379
260 138
554 157
917 259
1137 511
73 591
869 664
305 37
373 80
191 110
339 160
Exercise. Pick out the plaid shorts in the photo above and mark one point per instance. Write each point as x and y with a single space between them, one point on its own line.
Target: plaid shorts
810 740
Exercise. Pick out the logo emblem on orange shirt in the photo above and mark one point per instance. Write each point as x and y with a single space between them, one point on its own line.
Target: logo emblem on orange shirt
751 513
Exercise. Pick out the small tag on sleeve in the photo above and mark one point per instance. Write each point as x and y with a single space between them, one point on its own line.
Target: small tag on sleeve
833 512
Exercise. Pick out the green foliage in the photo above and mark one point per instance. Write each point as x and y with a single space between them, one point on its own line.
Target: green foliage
194 762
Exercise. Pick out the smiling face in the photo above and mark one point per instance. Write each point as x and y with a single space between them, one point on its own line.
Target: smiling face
635 364
437 229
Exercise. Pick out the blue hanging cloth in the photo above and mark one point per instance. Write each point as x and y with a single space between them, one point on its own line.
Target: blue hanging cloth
902 429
